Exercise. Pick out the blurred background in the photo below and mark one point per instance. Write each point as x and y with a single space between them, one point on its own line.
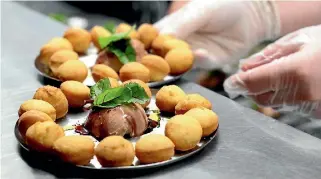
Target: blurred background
88 14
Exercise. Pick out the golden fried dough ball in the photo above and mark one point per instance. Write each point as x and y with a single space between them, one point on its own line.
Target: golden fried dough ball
60 57
72 70
158 44
146 88
61 41
174 43
268 111
134 70
180 60
168 97
96 32
157 66
28 118
154 148
184 131
79 38
78 150
75 92
100 71
41 135
113 82
192 101
54 45
147 33
123 27
55 97
207 118
115 151
39 105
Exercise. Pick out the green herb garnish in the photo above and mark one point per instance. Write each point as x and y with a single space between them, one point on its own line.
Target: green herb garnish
120 45
112 97
110 26
254 106
58 17
99 87
104 42
124 56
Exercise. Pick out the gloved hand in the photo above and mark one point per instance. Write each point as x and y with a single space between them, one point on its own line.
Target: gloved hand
286 75
221 31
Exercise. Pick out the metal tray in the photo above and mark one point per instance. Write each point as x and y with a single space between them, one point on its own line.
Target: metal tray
89 59
79 117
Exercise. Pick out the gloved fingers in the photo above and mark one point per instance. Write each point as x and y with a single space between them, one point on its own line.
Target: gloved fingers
283 102
304 35
256 81
269 54
205 60
287 38
275 98
207 57
307 108
184 21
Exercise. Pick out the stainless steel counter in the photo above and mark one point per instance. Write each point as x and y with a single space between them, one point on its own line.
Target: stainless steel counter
248 145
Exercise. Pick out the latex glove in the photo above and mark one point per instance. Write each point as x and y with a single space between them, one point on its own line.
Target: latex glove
286 75
221 31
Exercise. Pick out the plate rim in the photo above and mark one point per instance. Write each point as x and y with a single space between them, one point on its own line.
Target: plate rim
138 167
150 84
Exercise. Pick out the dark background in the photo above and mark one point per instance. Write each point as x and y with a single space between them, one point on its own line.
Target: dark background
98 12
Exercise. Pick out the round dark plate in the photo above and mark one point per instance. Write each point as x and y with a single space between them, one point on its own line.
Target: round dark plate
176 158
74 118
90 60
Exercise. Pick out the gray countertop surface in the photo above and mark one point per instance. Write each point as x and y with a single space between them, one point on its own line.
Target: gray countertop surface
248 144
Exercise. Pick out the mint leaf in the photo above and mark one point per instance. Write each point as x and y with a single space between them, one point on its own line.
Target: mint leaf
133 27
110 26
119 54
123 51
129 93
120 45
139 94
108 95
124 98
113 98
99 87
254 106
105 41
58 17
130 52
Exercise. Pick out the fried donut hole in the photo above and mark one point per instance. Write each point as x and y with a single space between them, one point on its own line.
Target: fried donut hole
55 97
41 135
39 105
115 151
78 150
76 93
168 97
184 131
192 101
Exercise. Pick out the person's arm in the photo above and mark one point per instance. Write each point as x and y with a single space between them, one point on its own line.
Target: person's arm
296 15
